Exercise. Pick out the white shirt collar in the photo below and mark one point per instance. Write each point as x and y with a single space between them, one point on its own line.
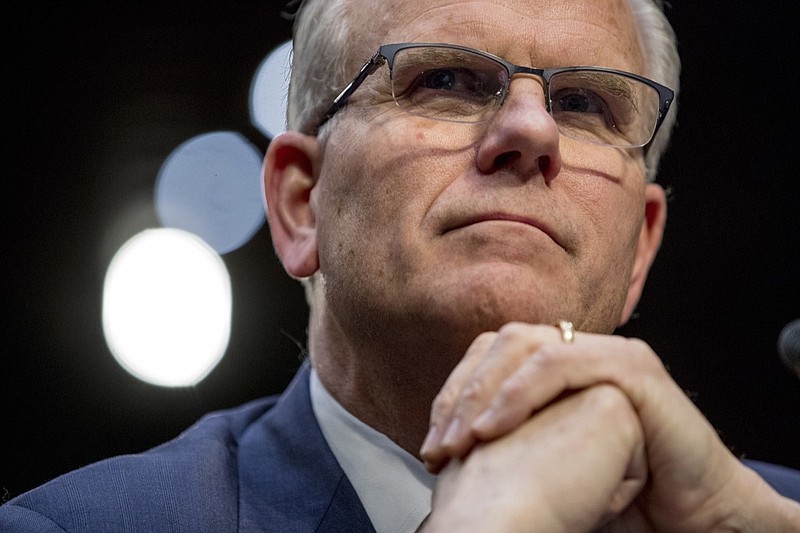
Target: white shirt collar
394 487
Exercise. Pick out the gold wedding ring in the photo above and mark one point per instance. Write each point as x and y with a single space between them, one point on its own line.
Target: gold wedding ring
567 331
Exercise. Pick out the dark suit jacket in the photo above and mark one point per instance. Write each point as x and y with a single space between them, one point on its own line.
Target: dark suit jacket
264 466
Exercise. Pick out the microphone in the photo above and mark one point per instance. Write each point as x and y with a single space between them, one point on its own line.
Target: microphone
789 345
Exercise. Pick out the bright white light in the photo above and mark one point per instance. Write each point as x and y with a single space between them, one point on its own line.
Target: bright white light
167 307
211 186
269 91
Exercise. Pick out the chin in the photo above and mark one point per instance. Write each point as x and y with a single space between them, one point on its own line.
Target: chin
486 299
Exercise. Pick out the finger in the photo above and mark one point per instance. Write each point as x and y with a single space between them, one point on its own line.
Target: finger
444 403
689 466
511 347
557 368
633 482
629 364
528 479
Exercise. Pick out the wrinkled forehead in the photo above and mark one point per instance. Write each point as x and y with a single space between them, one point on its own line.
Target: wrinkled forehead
541 33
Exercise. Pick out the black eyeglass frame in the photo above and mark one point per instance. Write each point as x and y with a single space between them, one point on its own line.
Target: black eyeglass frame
386 54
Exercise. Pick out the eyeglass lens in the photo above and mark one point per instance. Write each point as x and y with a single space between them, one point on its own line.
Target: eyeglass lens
462 86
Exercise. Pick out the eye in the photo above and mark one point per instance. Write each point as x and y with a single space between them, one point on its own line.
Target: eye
440 79
446 83
577 100
452 79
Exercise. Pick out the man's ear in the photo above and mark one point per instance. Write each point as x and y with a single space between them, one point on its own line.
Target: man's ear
655 217
290 172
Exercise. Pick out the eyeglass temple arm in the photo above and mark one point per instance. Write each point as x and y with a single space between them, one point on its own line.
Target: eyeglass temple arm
340 101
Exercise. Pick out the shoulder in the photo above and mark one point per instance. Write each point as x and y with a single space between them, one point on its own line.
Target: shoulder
784 480
190 483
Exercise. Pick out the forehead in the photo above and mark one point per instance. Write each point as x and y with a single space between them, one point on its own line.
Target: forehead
541 33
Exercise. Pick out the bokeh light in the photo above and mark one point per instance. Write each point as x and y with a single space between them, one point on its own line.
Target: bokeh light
167 296
269 90
211 186
167 307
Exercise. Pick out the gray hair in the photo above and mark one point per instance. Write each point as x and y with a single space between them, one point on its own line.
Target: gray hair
663 65
320 59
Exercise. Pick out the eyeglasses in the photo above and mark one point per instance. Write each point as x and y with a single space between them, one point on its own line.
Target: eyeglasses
459 84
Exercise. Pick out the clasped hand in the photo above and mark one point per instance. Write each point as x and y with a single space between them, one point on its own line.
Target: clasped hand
533 434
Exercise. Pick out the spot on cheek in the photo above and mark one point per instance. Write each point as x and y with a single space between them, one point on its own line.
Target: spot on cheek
420 136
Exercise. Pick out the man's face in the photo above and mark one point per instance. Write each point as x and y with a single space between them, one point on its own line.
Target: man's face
464 227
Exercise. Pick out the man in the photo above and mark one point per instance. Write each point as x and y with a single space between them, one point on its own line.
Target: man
471 229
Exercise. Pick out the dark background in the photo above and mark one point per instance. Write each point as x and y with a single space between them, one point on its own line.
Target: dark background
96 96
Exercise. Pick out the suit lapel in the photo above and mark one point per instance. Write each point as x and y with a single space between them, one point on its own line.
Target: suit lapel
288 477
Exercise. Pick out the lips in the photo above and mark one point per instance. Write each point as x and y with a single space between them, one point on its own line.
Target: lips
471 220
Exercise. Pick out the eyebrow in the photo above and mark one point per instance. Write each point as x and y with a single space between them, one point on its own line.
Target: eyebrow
440 53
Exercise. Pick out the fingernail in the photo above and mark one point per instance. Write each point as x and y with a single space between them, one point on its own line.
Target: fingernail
453 433
431 440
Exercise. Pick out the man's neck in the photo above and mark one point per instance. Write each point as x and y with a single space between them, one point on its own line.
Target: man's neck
396 403
388 388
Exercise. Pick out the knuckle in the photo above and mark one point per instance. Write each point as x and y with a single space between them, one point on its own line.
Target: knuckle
521 338
610 401
487 337
473 392
513 390
519 330
513 330
481 343
639 346
545 358
646 355
613 405
442 404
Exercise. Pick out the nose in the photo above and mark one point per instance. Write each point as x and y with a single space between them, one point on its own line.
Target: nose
522 136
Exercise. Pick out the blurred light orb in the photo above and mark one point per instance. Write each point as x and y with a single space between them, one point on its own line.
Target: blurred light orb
211 186
269 91
167 307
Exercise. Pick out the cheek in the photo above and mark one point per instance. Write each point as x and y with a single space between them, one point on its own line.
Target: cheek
342 196
392 170
609 198
378 184
614 216
608 189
